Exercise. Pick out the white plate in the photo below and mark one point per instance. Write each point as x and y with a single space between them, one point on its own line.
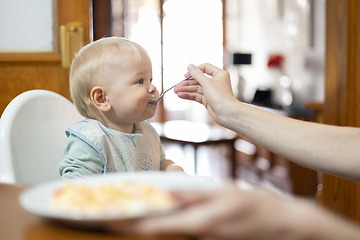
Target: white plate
37 199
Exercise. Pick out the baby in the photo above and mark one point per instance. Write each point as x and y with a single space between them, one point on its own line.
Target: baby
111 86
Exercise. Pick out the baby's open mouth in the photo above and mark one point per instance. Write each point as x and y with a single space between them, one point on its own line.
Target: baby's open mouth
155 100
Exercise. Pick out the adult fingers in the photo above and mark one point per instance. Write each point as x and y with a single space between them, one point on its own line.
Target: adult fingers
210 69
188 221
184 198
190 90
207 68
192 197
197 74
198 217
191 86
189 82
194 220
190 96
189 197
219 83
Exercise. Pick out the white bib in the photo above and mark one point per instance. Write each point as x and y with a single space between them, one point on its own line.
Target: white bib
122 152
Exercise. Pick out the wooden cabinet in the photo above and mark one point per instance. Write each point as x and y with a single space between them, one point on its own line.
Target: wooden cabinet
20 72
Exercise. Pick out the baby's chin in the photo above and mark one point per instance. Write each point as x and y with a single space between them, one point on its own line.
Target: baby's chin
149 114
152 115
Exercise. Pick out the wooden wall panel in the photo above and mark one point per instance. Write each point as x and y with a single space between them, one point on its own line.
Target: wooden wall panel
21 78
342 98
76 11
358 90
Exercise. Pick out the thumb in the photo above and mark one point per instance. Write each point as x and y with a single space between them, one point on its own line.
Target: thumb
196 73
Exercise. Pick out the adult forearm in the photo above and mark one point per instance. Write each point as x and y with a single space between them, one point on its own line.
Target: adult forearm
331 227
327 148
323 147
300 219
308 221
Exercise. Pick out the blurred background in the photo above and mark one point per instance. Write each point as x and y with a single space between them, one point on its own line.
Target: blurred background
280 54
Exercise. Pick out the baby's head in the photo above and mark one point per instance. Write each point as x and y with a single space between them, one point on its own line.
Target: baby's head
111 78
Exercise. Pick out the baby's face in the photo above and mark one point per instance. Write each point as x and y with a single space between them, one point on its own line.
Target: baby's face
130 91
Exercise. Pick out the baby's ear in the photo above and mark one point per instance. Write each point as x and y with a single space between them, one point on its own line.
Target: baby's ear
100 99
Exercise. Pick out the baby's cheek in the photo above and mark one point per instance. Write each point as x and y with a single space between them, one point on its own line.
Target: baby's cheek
140 105
144 100
135 109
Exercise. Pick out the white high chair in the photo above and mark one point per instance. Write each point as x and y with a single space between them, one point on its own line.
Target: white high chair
32 136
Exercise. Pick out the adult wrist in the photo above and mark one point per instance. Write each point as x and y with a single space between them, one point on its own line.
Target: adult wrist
227 116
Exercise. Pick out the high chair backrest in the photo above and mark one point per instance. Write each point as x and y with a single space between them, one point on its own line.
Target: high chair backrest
32 136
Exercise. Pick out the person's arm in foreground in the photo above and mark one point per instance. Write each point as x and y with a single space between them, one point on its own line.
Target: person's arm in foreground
330 149
230 213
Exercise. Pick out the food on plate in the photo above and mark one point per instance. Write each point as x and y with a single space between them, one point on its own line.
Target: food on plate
107 200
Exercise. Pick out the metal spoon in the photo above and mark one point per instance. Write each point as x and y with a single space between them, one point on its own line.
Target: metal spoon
158 99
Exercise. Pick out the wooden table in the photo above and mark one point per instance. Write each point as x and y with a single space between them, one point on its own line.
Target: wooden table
18 224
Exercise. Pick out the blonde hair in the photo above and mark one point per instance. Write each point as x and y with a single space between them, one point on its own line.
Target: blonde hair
90 66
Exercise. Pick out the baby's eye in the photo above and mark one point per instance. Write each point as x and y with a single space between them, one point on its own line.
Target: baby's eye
151 80
141 81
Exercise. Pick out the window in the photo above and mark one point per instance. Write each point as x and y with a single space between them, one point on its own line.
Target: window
191 32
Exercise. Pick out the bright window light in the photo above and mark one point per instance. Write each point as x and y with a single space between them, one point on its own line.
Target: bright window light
192 34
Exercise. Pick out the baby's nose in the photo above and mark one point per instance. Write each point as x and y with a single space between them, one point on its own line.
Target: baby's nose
152 88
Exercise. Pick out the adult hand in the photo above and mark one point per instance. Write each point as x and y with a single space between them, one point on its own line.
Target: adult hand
213 91
230 213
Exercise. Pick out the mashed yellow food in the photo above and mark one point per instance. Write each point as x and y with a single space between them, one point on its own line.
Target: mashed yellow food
106 200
